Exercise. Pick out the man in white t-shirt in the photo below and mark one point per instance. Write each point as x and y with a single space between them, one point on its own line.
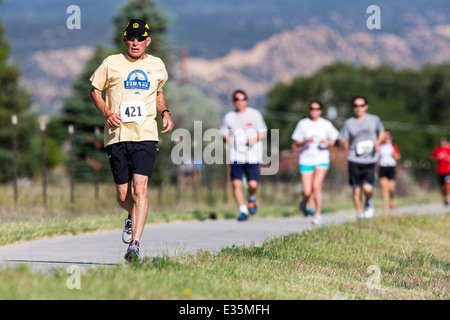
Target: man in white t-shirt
313 136
133 83
243 129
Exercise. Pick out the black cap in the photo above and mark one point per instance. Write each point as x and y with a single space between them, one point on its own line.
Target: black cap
138 27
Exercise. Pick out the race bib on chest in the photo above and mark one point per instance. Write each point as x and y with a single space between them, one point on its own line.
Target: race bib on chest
133 111
364 147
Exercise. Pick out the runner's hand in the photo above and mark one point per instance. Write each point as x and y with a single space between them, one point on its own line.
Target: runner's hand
167 123
113 120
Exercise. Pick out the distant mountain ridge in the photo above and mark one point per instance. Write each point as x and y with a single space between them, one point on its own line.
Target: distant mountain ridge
292 53
304 50
277 40
209 28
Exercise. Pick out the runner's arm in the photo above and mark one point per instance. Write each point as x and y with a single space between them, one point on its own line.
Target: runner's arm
112 119
260 136
297 145
161 106
380 140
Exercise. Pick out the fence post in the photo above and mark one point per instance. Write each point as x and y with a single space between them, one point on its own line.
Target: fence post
15 152
71 155
96 171
44 163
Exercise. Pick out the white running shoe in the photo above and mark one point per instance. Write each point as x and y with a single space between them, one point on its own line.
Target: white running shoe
368 210
126 233
317 219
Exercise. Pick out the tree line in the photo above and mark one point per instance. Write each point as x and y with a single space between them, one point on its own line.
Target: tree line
412 103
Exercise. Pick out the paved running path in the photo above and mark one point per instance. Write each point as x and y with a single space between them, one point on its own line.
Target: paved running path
92 250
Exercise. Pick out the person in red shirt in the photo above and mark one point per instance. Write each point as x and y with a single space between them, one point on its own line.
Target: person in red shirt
441 155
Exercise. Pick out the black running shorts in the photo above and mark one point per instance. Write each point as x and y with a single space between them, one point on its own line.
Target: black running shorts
128 158
387 172
359 174
444 179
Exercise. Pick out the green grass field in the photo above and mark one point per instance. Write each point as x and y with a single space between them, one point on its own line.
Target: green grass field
395 258
389 257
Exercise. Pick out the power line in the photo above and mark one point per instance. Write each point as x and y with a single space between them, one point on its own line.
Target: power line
393 125
408 126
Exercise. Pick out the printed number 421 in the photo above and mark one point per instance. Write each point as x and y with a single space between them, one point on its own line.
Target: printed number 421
131 112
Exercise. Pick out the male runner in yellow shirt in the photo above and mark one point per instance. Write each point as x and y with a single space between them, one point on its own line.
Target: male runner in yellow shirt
133 83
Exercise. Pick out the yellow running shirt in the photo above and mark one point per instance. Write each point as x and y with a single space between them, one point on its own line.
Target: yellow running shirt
131 86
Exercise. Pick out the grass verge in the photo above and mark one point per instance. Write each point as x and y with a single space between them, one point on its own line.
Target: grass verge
388 257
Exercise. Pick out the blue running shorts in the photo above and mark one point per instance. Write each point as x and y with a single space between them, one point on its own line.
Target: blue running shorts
238 169
310 169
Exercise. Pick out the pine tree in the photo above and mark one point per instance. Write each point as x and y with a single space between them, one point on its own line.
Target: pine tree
15 100
79 111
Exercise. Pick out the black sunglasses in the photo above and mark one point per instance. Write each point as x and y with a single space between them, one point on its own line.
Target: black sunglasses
240 99
139 38
359 105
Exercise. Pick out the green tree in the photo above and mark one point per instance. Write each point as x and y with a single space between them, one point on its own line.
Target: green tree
15 100
187 105
407 101
79 111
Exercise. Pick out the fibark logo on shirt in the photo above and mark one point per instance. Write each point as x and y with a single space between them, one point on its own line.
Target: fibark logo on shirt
137 79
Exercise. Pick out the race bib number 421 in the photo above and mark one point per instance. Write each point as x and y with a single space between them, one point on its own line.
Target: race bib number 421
133 111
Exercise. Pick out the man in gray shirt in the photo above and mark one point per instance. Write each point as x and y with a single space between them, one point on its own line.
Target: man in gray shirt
362 135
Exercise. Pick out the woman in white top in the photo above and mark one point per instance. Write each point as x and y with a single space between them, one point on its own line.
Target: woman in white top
313 136
388 154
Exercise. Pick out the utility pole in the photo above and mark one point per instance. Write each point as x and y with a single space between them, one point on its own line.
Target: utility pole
184 53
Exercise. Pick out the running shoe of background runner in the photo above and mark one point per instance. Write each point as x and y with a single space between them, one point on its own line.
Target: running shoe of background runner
252 206
242 217
368 210
310 211
302 206
317 219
